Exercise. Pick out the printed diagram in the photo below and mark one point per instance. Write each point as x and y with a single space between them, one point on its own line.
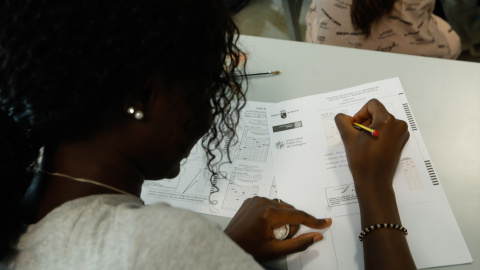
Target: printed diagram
411 173
332 135
236 194
194 182
192 186
273 190
254 144
341 195
243 176
245 173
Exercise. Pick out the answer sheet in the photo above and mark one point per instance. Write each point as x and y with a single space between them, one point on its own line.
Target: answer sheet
312 174
250 173
292 150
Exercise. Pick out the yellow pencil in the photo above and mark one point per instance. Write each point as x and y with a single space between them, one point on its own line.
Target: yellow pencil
373 132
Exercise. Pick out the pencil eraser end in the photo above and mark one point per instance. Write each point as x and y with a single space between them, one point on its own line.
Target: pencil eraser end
375 133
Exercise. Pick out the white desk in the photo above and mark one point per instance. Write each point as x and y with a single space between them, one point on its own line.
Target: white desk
444 96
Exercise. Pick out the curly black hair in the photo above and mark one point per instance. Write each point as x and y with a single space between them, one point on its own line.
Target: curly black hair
62 63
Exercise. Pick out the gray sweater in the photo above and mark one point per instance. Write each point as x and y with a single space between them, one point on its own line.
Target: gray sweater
117 232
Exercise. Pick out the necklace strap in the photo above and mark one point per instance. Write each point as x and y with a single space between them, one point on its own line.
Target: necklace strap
84 180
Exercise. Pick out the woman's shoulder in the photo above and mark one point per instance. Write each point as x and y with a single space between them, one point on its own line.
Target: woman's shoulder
177 238
120 216
114 208
117 231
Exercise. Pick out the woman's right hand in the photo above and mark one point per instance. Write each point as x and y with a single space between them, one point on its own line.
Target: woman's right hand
373 160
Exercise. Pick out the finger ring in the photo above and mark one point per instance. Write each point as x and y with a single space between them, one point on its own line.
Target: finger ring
282 232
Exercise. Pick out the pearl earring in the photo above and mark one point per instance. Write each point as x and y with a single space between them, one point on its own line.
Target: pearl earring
137 114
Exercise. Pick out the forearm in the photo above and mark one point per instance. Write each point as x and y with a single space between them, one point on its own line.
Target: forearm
373 162
383 248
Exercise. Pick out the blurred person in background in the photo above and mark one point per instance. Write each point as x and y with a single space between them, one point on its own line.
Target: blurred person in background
404 26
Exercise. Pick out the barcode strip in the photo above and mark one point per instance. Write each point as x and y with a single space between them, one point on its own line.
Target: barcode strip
431 172
412 123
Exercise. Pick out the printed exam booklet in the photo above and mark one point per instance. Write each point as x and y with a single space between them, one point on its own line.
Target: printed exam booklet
292 150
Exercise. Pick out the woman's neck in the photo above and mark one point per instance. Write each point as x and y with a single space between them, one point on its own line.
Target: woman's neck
97 160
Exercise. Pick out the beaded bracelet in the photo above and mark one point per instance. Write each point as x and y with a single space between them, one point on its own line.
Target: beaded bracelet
382 226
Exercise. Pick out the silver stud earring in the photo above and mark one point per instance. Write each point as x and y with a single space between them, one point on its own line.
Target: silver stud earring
137 114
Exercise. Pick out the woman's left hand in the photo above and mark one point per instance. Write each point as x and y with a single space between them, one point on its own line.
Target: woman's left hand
252 228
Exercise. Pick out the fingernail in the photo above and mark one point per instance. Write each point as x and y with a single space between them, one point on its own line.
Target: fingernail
324 221
317 238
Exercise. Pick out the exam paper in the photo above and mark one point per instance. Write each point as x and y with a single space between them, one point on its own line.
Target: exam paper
293 148
313 175
250 173
308 150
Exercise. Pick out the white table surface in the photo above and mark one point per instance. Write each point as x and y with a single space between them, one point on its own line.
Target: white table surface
444 96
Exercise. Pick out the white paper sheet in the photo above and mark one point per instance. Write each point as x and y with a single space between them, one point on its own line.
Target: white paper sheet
250 174
297 140
312 174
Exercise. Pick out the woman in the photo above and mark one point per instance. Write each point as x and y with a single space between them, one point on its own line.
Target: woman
95 97
405 26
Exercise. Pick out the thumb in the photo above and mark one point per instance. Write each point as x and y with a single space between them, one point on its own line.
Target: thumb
344 124
298 244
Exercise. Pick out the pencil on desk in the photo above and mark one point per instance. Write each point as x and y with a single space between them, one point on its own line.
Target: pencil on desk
268 73
372 132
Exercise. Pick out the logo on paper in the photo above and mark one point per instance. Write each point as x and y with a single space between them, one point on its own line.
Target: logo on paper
280 145
283 114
